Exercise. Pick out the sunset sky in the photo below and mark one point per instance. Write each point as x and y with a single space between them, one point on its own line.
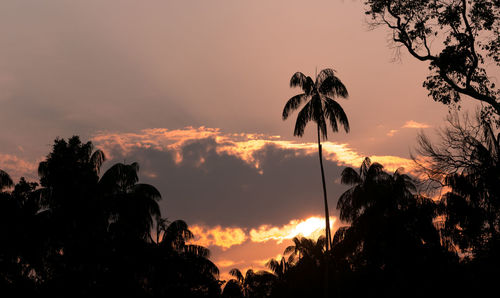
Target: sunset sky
194 90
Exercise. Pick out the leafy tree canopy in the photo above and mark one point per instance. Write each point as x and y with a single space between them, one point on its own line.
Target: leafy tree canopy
459 39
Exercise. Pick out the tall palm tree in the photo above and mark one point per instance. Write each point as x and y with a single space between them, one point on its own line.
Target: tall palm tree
320 106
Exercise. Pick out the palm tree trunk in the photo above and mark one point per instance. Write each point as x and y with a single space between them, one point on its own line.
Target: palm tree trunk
327 214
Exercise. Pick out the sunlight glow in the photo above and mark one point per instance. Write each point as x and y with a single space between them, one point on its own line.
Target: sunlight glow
311 227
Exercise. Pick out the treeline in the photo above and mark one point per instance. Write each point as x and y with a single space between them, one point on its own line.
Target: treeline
82 233
398 241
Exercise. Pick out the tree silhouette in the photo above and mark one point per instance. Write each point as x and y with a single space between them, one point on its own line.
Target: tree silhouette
133 206
300 272
74 217
279 268
306 250
252 284
319 107
81 236
392 231
353 202
178 268
5 180
467 161
459 39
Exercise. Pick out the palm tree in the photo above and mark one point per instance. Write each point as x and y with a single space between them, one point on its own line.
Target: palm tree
353 201
391 226
320 106
189 261
305 248
253 284
279 268
133 205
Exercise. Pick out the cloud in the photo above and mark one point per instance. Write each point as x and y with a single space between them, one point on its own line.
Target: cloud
259 245
235 175
17 167
226 237
217 236
266 242
408 124
227 263
310 227
392 132
244 146
414 124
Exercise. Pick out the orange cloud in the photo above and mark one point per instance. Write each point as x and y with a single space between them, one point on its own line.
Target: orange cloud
414 124
311 227
226 237
154 138
392 132
242 145
217 236
227 263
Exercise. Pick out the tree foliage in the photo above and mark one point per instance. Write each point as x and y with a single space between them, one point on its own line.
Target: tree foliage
467 162
82 235
459 39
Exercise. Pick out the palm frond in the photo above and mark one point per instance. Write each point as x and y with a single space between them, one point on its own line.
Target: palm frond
120 176
339 235
331 85
335 113
292 104
148 191
375 172
97 159
365 165
235 272
323 74
404 181
300 80
304 116
177 233
289 250
350 176
345 204
197 250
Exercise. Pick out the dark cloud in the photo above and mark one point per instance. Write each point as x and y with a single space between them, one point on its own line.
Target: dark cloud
220 189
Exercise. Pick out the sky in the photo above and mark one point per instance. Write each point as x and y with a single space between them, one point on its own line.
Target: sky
194 90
